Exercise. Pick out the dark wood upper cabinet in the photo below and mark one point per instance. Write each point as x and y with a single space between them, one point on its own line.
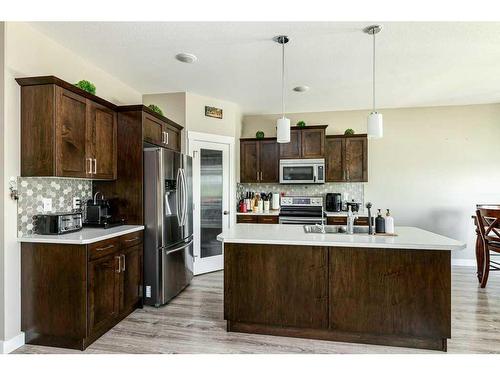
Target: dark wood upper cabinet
313 143
346 158
292 150
259 160
153 129
269 161
72 149
102 140
249 160
156 129
305 143
334 147
356 159
65 131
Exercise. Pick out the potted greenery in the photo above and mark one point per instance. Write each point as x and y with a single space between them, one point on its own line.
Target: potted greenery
86 86
301 124
259 134
155 108
349 132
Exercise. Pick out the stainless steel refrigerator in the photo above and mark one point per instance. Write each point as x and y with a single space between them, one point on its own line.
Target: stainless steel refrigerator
168 218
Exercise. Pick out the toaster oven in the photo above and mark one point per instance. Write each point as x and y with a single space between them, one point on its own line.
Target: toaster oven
57 223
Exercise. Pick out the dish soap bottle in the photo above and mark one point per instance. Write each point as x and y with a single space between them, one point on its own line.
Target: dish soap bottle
389 223
379 223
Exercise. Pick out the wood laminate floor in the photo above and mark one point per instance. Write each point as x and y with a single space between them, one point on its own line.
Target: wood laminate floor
193 323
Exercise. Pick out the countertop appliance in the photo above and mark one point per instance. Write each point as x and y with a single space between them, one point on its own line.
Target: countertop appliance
333 202
168 219
275 201
302 171
301 210
98 214
57 223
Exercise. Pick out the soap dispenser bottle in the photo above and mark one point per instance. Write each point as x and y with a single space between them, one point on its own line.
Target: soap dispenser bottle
379 223
389 223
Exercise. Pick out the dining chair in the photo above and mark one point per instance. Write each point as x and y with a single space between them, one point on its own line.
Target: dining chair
488 226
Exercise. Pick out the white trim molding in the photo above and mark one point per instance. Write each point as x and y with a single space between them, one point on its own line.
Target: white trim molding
463 262
12 344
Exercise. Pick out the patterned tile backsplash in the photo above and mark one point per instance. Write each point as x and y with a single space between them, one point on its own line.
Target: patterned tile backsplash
32 190
353 190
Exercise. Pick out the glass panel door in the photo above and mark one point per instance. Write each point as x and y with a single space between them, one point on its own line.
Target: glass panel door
211 203
211 180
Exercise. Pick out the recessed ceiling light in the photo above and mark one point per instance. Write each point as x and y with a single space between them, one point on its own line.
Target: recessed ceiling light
301 88
188 58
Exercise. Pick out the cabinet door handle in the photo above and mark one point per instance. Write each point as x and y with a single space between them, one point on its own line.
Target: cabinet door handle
95 166
88 170
257 175
104 248
347 174
132 239
166 138
123 266
261 175
119 263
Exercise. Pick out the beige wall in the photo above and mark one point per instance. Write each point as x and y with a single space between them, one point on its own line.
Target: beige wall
432 166
3 193
173 105
30 53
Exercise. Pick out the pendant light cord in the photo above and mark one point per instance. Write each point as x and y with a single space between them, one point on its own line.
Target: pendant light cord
283 77
374 72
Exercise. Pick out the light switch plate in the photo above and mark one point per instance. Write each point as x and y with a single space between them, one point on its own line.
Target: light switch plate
76 203
148 291
47 204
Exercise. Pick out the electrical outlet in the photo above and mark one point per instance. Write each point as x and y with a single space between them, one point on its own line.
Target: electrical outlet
76 203
148 291
47 204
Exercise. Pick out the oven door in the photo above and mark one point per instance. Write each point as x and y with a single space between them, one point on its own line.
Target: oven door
300 220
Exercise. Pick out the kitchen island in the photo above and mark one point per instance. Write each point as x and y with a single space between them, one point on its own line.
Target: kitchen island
386 290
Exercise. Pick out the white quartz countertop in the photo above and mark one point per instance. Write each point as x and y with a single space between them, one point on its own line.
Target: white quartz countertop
84 236
279 234
277 212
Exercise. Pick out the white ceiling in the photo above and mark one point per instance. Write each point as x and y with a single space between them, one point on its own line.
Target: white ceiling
418 64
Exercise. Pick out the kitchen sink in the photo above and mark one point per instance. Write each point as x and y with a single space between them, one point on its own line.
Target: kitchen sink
338 229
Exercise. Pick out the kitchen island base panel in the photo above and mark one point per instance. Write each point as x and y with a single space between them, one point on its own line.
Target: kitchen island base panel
398 297
329 335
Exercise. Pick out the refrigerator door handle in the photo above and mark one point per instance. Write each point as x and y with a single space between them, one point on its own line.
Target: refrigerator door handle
180 247
184 197
180 194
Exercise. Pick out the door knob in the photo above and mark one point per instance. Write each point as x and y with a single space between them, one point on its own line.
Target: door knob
226 212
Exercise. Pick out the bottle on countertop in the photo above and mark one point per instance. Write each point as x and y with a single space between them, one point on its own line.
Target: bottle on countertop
389 223
379 223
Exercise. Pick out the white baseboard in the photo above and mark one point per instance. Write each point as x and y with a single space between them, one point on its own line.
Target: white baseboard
463 262
12 344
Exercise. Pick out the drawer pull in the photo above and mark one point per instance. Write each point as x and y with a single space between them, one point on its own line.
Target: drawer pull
104 248
133 239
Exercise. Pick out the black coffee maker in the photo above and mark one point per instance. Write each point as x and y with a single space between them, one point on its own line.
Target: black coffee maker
333 202
98 213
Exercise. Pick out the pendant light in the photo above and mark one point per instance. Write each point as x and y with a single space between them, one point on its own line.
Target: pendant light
283 123
375 120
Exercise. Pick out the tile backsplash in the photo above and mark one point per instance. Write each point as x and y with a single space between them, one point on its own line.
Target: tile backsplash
354 190
32 190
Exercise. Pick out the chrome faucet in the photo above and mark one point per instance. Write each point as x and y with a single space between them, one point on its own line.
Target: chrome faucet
95 197
322 226
351 217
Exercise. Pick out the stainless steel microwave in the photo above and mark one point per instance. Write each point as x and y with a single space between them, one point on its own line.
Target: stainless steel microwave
302 171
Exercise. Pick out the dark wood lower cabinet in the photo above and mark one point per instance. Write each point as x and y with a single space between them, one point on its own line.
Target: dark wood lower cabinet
73 294
269 286
257 219
395 297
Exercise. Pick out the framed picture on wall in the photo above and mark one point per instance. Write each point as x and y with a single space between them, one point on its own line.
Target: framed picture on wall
213 112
